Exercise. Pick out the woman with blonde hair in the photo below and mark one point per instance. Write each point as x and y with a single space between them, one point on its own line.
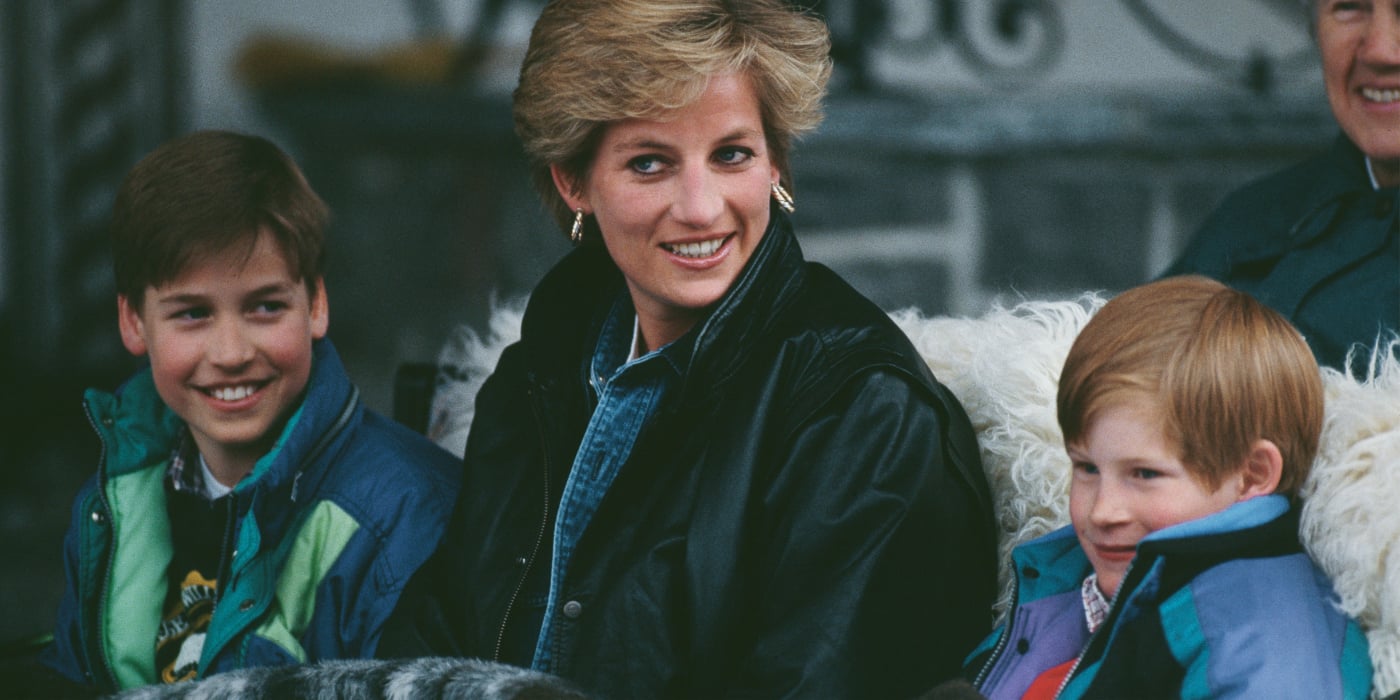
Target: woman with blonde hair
708 468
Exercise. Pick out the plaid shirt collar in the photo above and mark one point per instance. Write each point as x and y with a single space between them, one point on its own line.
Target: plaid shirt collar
184 472
1096 606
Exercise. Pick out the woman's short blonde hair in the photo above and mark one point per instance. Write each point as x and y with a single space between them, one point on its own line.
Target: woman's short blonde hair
594 62
1222 370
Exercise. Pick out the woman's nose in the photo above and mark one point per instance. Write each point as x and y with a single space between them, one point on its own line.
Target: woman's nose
698 200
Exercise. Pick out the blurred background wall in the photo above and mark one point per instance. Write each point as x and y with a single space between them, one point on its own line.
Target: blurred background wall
975 151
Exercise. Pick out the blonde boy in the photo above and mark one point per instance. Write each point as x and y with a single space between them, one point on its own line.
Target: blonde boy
1191 414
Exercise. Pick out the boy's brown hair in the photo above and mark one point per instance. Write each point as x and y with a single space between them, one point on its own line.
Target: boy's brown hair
204 193
1224 370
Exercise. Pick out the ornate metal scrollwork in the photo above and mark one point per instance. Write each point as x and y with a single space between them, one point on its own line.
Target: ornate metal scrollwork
1012 42
1005 41
1257 71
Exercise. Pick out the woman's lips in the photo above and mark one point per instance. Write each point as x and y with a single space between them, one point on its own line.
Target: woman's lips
700 254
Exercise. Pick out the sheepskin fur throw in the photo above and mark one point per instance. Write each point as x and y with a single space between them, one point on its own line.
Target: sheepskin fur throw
1351 507
1005 367
465 361
405 679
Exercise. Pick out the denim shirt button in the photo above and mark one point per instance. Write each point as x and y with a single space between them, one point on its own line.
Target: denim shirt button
573 609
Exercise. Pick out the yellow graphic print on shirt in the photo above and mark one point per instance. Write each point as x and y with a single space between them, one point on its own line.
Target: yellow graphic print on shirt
183 625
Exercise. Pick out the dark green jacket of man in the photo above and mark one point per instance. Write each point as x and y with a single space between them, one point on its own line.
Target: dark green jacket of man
1317 242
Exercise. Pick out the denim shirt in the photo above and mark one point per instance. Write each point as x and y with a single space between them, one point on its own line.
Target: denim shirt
628 393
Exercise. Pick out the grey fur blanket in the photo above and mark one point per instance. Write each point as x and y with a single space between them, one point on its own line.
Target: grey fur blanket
401 679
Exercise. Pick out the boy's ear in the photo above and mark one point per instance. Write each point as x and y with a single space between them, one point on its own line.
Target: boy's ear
1263 468
568 188
320 310
132 327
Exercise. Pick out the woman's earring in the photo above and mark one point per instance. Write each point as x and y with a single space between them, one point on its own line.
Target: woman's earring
576 233
784 199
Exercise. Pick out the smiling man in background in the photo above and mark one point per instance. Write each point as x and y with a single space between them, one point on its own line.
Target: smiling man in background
1318 241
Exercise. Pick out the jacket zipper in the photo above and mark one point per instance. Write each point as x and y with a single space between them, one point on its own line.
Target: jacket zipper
227 552
1005 636
539 537
225 568
347 412
225 560
1080 658
106 664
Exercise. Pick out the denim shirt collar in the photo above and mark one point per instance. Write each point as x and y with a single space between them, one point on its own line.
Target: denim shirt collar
566 312
613 350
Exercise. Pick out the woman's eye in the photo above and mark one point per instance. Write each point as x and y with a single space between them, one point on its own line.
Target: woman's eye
1086 467
1146 473
733 155
646 165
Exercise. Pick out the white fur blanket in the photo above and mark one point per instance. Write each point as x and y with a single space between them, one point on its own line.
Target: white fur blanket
465 361
1351 511
1004 367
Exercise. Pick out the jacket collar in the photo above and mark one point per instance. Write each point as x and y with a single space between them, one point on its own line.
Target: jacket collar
1333 179
331 403
1345 173
1264 526
1343 176
136 427
568 307
1261 526
757 298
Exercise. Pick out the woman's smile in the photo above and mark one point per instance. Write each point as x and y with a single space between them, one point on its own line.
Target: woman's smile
706 251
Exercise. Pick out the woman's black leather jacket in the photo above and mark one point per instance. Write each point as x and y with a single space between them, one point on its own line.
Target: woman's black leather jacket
805 516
